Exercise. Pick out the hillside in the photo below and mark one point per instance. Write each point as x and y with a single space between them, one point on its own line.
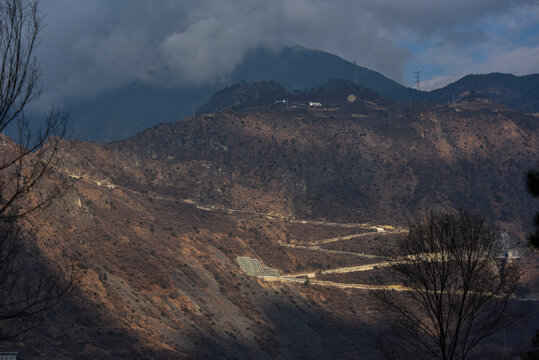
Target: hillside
519 92
156 223
361 160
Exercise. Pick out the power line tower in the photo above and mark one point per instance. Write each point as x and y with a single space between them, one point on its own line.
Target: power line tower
417 79
356 79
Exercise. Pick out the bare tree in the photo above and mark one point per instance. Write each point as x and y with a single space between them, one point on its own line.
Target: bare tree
28 285
24 163
456 289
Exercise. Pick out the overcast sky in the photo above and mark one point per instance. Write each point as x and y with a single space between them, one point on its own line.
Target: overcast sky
93 45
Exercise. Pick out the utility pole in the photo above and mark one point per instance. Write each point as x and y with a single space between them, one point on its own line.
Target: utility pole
417 79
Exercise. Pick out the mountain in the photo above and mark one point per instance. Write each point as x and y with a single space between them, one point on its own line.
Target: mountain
298 68
519 92
342 159
120 113
161 224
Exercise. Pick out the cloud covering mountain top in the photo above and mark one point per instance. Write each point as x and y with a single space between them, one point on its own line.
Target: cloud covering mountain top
91 46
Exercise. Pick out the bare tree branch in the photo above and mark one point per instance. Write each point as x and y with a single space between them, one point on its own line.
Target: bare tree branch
459 287
29 285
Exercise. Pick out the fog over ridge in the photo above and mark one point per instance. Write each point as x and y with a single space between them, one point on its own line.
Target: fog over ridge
88 47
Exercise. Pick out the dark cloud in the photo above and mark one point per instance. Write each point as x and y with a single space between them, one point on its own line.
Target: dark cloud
90 46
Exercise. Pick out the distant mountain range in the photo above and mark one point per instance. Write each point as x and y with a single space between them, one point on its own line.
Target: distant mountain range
123 112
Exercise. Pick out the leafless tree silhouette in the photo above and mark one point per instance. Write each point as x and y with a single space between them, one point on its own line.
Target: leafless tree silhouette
457 289
24 163
28 285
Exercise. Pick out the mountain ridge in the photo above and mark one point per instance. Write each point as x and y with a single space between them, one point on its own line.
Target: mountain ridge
123 112
520 92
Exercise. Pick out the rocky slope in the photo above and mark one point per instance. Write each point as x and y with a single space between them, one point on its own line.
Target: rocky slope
359 157
155 223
